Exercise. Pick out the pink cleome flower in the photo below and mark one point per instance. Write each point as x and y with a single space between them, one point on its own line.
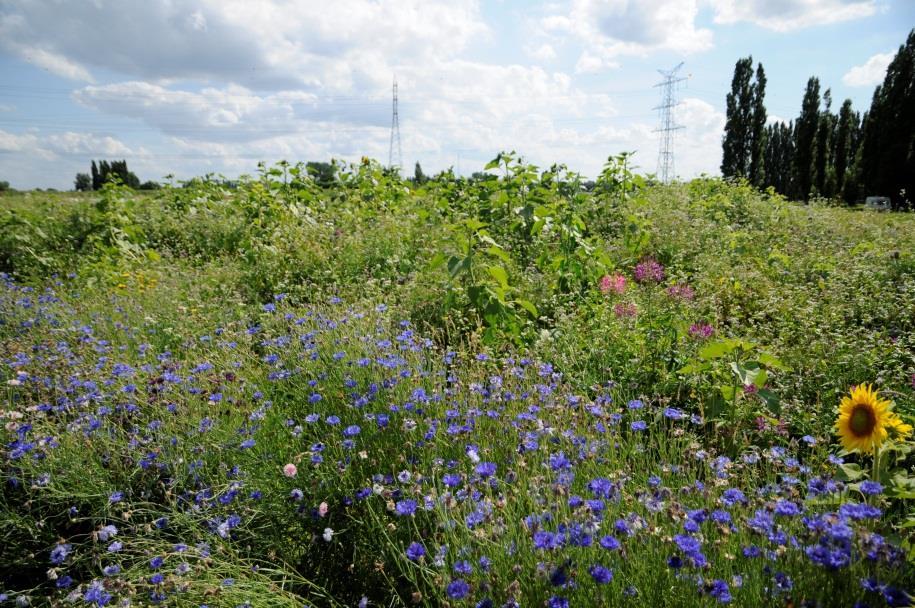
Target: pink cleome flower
681 291
624 310
701 330
649 271
615 283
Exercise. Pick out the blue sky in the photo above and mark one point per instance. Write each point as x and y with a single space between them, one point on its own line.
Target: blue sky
187 87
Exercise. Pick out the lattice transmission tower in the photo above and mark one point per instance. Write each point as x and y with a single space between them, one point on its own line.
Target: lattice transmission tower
395 135
667 125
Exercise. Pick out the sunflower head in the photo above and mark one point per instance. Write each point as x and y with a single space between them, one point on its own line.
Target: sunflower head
863 419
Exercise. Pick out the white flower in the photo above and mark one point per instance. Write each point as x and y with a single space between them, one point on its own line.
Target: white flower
328 534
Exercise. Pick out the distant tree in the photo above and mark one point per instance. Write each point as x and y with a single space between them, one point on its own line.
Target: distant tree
823 172
83 182
738 124
844 143
324 174
779 157
756 170
4 186
103 172
96 177
418 176
887 157
805 130
150 185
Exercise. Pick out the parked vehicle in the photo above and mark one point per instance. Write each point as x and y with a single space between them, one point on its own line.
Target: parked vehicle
877 203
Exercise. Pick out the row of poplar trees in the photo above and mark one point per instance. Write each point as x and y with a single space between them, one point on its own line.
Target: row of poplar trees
846 156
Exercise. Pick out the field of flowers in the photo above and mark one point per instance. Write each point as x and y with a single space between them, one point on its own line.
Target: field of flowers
513 390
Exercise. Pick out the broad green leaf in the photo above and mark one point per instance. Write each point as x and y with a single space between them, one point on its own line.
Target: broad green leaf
528 306
437 260
499 274
716 350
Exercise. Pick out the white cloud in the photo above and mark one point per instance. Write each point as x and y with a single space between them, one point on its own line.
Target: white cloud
213 114
217 86
787 15
544 52
870 73
260 44
40 160
613 28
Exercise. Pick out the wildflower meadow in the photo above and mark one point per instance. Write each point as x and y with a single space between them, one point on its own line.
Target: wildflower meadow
516 389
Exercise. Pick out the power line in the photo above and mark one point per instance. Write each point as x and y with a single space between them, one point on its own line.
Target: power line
667 126
395 134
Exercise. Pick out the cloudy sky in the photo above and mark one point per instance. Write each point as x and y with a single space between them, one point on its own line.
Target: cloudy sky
187 87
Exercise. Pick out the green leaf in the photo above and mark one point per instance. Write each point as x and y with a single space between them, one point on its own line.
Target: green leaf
772 361
457 265
528 306
772 401
716 350
694 367
499 274
437 260
850 471
499 253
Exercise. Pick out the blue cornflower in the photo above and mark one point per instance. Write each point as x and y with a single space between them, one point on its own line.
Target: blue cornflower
107 532
600 574
673 413
601 487
896 597
486 469
732 496
59 553
557 602
452 480
463 567
96 594
687 544
787 508
871 488
405 507
638 425
720 591
609 542
415 551
351 431
457 589
559 461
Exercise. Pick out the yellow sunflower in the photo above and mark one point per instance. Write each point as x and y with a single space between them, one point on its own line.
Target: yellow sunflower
863 419
899 426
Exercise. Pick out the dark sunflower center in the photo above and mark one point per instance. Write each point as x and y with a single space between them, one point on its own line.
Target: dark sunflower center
862 421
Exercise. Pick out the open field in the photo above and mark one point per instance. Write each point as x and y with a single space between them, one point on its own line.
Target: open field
510 390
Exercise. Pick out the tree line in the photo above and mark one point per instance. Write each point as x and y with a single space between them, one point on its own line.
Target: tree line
845 155
104 171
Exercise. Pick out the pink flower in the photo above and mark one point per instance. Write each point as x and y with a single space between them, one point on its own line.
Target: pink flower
616 284
290 470
701 330
683 292
626 310
648 271
322 509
